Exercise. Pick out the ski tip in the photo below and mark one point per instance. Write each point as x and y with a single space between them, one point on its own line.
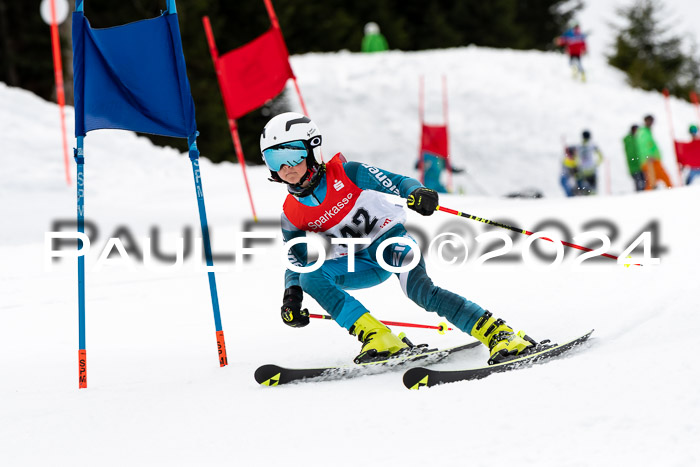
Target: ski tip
587 335
268 375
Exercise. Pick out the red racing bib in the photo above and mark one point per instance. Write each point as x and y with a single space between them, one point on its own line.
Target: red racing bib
346 212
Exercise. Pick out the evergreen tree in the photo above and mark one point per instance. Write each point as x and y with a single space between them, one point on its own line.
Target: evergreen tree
542 20
651 58
25 54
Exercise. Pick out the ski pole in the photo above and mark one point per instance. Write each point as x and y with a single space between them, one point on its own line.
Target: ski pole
516 229
441 328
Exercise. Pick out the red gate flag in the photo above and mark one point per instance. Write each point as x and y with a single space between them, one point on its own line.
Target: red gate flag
688 153
434 140
254 73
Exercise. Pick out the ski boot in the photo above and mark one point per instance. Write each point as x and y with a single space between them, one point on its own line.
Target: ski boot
574 72
502 342
378 342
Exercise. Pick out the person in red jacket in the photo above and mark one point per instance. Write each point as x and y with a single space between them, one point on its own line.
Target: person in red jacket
575 42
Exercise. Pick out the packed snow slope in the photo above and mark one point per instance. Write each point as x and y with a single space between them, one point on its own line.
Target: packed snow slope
156 394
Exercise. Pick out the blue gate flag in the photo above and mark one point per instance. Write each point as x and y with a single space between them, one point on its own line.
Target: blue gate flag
131 77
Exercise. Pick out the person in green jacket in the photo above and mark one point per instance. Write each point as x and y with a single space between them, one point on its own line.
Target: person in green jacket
373 41
633 161
650 156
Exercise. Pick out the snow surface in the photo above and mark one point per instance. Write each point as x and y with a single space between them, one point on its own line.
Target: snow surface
156 394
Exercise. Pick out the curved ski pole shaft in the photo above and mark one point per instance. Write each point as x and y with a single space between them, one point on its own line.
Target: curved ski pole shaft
312 315
516 229
441 328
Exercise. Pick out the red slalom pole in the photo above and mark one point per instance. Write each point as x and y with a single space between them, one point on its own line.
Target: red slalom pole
667 101
441 328
276 24
694 100
232 125
60 93
516 229
448 156
421 115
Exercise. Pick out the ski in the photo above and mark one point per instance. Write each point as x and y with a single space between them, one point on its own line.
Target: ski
274 375
419 377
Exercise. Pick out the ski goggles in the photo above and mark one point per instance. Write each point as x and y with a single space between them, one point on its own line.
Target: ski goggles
290 153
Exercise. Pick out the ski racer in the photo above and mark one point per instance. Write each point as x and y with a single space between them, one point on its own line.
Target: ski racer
345 200
575 43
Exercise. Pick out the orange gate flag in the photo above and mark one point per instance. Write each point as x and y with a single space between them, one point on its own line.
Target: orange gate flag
254 73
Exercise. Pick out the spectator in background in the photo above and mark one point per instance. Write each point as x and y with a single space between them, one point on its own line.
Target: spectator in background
633 162
693 171
432 170
569 171
589 158
650 156
373 41
575 43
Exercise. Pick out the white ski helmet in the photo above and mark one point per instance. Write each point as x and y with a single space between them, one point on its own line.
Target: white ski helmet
288 139
371 28
286 128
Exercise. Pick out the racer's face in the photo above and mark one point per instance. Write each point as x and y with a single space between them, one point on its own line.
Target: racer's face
292 175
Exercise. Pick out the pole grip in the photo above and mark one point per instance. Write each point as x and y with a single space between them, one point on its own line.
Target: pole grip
221 344
82 368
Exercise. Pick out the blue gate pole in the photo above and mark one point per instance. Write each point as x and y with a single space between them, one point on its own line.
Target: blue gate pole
194 158
80 189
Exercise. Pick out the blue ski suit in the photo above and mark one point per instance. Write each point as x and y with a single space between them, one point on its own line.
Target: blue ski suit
346 203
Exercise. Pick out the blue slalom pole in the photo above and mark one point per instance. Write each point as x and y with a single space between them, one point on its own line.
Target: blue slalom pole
80 189
194 158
